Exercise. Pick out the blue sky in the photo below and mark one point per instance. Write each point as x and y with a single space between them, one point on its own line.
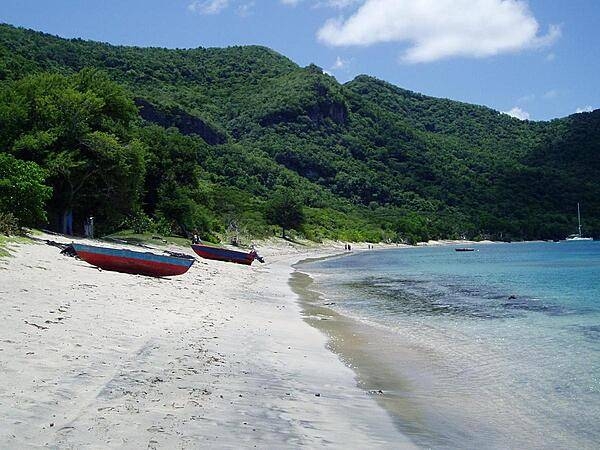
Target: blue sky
538 58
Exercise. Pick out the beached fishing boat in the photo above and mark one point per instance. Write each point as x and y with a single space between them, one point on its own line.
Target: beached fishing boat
225 254
129 261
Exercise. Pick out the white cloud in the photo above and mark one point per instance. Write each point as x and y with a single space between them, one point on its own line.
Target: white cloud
584 109
339 64
245 9
518 113
208 6
290 2
437 29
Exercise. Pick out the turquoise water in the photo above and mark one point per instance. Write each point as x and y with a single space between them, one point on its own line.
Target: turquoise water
498 348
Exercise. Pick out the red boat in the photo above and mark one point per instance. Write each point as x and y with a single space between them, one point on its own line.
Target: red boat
224 254
129 261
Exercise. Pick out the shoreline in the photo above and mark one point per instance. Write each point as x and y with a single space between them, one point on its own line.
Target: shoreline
362 347
220 356
419 382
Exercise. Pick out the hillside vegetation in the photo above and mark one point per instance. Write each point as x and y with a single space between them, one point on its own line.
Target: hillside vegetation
209 139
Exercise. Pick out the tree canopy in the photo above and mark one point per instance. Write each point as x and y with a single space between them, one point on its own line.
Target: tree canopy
78 129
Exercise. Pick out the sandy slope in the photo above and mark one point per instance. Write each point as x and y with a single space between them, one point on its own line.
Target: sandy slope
218 357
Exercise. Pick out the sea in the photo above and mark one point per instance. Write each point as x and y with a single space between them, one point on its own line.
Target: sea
495 348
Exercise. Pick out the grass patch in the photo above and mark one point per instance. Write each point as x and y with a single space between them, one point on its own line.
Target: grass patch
3 251
6 241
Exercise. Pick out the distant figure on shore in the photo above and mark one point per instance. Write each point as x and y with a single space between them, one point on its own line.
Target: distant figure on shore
88 228
349 247
195 238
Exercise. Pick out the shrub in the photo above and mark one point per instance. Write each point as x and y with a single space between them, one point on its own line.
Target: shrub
140 223
23 193
8 224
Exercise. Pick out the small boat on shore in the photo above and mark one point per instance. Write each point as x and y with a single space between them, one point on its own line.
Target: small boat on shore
137 263
464 249
225 254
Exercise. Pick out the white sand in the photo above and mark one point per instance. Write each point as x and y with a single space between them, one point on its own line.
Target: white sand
218 357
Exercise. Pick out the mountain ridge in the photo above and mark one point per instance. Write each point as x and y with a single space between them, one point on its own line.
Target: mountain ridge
401 164
267 50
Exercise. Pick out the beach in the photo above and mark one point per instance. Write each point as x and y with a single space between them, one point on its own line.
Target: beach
220 357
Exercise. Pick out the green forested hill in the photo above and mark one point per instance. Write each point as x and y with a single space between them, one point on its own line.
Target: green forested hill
216 134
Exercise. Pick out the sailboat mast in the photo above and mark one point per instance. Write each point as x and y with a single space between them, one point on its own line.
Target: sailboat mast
579 219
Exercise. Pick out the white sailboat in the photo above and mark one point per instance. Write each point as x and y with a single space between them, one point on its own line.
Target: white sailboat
579 236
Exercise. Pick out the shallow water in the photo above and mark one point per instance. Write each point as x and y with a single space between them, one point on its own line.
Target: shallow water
499 348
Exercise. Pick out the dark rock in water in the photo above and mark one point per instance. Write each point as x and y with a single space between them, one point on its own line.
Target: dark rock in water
376 392
512 297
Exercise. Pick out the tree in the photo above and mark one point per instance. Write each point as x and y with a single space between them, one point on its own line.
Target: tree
22 190
286 210
182 205
78 129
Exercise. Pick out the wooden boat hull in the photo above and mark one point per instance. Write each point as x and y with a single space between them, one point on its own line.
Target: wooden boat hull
129 261
224 254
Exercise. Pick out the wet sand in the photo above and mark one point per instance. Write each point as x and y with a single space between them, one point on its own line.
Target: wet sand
219 357
376 359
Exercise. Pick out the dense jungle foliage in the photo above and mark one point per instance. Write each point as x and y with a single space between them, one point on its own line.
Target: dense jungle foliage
172 141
